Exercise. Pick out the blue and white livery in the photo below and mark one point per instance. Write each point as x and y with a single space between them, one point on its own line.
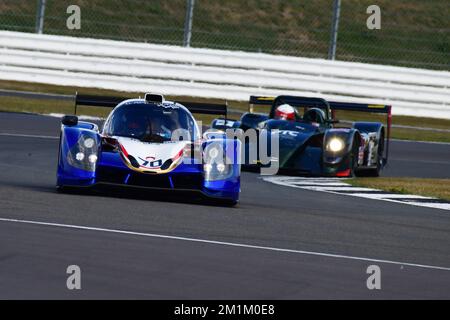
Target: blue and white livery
149 143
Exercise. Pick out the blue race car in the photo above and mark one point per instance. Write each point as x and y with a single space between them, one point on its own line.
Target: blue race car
149 143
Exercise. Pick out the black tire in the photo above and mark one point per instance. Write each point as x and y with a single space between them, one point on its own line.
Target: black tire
59 188
372 172
229 203
354 159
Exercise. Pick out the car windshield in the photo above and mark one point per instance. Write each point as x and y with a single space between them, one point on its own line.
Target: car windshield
151 122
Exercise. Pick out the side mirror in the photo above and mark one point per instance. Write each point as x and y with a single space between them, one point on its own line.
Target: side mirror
69 120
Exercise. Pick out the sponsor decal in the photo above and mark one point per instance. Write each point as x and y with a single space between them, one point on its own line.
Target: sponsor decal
289 133
150 163
376 106
225 123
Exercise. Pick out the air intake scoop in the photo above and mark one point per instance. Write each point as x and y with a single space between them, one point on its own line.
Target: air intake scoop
154 98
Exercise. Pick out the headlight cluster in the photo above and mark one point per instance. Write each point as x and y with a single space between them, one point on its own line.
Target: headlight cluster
216 166
84 153
335 145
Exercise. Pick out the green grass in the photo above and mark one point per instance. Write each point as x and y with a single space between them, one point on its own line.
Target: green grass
439 188
45 106
399 120
419 135
413 32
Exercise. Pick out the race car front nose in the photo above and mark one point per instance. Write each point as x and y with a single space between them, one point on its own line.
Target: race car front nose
332 159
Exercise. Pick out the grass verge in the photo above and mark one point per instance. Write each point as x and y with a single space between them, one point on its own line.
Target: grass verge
439 188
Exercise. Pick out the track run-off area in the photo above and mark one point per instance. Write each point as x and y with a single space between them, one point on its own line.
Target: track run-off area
279 242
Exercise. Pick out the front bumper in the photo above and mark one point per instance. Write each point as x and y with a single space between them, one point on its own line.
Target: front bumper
181 182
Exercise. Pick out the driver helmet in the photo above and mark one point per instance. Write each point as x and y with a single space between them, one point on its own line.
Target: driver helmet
135 124
285 112
161 125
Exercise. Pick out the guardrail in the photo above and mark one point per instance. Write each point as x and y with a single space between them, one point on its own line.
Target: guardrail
230 75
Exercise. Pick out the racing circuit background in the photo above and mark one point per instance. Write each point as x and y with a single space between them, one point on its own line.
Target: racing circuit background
289 237
415 33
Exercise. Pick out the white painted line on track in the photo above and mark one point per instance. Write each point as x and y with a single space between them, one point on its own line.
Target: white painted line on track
343 188
317 184
443 206
324 184
230 244
389 196
7 134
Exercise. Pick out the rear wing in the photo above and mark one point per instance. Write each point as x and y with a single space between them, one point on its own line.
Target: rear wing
333 106
319 103
205 108
111 102
97 101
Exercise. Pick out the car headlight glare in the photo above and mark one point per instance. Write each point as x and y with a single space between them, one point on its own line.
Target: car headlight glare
216 165
221 167
92 158
79 156
335 145
89 142
213 153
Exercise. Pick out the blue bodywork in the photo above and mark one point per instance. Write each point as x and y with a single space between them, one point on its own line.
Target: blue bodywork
301 148
109 168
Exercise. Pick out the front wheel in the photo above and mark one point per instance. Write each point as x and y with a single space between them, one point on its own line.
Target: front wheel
372 172
221 202
59 188
354 159
229 203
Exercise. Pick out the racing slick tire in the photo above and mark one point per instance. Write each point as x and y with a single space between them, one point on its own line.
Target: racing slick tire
354 160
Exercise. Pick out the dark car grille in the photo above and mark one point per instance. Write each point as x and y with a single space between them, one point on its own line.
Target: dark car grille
191 181
109 175
117 176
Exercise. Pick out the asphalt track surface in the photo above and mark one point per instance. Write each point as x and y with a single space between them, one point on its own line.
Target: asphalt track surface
277 243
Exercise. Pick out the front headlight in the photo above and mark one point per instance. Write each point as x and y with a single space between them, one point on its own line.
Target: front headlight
84 154
216 165
335 145
79 156
92 158
213 153
89 142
